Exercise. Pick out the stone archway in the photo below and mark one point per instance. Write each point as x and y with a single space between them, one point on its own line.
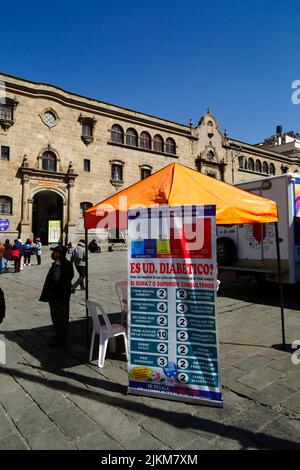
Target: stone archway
47 206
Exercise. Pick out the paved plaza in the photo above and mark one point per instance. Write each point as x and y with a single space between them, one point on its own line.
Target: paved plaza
55 399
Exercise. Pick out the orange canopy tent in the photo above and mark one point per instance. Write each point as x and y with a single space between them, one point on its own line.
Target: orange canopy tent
179 185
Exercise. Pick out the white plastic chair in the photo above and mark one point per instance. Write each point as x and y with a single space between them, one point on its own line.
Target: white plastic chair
105 332
122 291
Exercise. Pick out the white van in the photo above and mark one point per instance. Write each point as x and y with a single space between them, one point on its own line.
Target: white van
252 247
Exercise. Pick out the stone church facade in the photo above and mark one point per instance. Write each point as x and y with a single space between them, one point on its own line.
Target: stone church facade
62 152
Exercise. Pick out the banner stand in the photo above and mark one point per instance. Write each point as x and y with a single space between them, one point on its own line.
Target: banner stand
172 319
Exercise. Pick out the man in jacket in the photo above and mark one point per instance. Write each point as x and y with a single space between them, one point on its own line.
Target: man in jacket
57 291
79 259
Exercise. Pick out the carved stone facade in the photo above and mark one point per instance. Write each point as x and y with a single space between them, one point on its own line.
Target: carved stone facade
81 151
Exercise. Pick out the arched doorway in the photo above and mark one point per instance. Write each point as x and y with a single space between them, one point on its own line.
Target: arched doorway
47 206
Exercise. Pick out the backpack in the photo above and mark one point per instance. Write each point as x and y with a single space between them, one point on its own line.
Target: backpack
15 253
78 255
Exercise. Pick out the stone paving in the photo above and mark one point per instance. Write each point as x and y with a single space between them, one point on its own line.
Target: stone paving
55 399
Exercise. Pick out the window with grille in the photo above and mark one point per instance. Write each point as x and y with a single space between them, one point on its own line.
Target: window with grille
117 134
116 172
251 164
272 169
4 153
265 168
258 166
170 146
242 162
6 111
5 205
131 138
87 129
145 140
158 143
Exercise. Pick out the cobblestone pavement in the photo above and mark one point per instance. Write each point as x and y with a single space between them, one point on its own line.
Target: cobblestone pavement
55 399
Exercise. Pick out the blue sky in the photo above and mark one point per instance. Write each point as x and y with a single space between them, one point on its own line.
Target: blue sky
169 58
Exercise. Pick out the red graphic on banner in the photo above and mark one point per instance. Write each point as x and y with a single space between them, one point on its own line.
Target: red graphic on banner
194 241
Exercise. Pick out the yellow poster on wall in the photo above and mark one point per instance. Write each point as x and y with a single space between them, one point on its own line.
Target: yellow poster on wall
54 231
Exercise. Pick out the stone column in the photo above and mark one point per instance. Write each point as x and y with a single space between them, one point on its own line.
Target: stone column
25 196
25 216
71 213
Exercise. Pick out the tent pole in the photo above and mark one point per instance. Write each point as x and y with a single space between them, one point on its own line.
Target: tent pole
280 285
87 287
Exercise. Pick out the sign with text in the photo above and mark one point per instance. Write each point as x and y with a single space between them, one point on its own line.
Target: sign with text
172 303
54 231
4 225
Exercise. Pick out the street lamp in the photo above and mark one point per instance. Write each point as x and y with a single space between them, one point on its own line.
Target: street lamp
239 152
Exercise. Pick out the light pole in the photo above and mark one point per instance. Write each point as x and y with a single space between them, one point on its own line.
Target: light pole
239 152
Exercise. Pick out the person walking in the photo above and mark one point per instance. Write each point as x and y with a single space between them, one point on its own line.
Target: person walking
38 250
57 291
79 259
7 254
27 248
1 256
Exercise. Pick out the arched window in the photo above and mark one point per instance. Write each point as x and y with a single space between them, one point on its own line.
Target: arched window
145 140
265 168
131 137
246 164
117 134
170 146
158 143
84 206
242 162
5 205
272 169
251 164
258 166
49 161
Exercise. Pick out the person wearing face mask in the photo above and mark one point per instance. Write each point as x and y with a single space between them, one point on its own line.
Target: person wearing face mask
57 291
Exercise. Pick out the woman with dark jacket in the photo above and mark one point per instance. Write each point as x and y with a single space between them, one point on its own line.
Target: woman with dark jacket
7 254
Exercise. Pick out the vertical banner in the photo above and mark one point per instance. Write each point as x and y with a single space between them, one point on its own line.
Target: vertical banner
54 231
172 283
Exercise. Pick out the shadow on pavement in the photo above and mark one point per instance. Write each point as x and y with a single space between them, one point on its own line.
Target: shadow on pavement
181 420
37 342
262 293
